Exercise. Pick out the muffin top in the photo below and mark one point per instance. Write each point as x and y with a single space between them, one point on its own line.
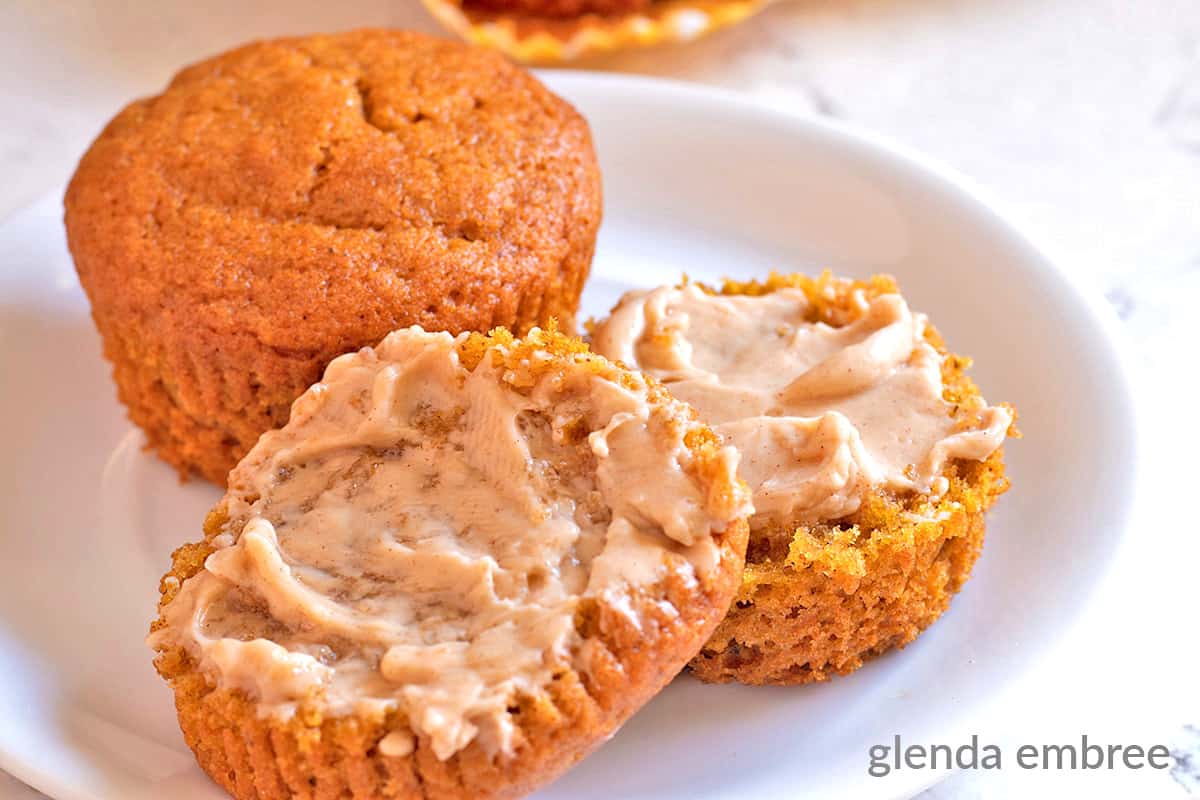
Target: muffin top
423 534
298 192
822 413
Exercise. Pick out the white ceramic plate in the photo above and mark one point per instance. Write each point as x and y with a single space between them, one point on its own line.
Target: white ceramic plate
694 181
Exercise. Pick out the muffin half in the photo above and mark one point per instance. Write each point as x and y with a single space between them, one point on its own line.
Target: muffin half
872 459
460 566
292 200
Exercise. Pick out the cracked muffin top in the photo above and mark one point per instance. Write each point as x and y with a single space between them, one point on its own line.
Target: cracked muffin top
291 200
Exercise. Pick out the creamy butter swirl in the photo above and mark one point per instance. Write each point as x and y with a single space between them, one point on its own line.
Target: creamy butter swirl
419 535
820 414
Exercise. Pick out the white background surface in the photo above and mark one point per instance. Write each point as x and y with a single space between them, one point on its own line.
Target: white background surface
1081 118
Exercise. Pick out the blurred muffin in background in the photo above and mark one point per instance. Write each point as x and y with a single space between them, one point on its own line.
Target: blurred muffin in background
548 31
560 8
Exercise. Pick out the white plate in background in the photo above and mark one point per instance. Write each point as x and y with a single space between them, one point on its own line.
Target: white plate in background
696 182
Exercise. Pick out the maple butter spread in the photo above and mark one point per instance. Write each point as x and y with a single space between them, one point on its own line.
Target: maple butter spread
418 537
821 414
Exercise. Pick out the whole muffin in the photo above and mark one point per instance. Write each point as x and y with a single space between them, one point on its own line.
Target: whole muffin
460 566
872 458
292 200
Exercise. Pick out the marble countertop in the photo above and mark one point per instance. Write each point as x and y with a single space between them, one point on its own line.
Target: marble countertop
1080 118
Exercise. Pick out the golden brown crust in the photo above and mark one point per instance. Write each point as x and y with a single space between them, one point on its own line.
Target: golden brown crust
816 601
295 199
313 756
